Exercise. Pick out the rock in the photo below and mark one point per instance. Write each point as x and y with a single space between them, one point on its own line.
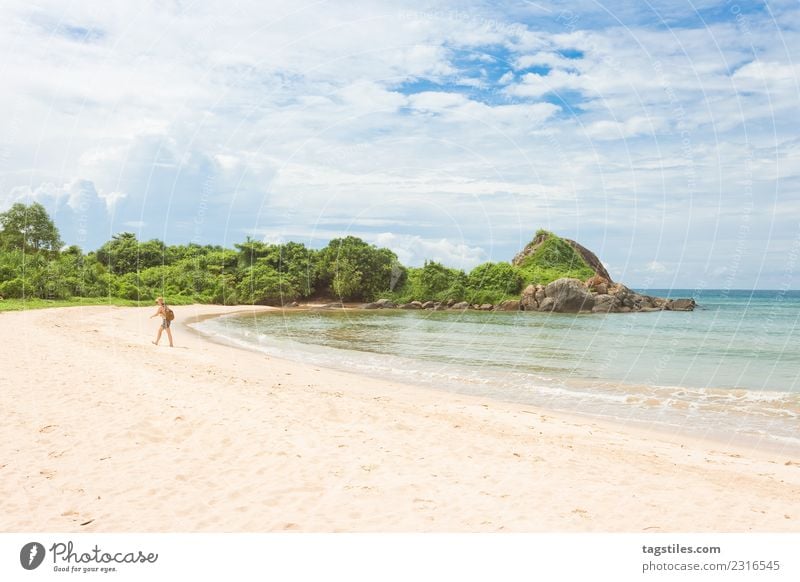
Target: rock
680 305
451 302
428 305
475 306
569 296
597 280
486 307
508 305
587 255
416 305
540 295
439 306
292 304
601 289
604 304
385 303
370 306
527 300
460 305
547 304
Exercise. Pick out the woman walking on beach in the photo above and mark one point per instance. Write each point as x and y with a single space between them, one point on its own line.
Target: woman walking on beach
165 321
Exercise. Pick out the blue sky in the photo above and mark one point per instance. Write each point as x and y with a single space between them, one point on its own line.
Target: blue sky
662 135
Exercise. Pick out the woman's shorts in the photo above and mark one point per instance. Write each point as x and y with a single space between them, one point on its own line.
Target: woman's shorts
165 324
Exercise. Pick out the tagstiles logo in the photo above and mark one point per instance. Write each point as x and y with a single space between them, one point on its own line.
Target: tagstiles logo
31 555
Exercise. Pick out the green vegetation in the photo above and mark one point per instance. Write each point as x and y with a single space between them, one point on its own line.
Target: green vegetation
35 303
493 283
554 259
433 282
36 272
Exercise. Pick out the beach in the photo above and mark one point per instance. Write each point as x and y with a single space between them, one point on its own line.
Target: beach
104 432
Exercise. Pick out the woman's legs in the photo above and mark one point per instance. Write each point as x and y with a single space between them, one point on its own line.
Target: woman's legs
169 335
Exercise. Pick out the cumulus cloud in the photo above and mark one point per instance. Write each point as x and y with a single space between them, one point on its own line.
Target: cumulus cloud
479 122
413 250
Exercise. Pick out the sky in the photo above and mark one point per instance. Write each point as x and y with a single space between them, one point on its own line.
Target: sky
663 135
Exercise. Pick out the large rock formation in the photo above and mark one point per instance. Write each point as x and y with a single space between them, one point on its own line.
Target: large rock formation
599 294
588 256
573 296
545 258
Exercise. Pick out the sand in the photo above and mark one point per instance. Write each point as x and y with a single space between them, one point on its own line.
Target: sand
103 431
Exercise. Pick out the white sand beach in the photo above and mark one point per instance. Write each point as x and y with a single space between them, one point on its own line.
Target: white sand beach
103 431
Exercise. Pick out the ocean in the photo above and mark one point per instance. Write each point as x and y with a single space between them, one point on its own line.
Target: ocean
729 371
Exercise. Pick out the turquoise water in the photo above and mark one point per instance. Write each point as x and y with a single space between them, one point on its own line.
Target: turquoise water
730 369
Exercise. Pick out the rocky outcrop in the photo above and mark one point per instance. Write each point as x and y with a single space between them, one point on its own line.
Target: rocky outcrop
680 305
569 296
508 305
573 296
588 256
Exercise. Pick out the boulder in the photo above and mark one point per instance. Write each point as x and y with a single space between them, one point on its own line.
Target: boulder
460 305
385 303
680 305
604 304
569 296
598 284
527 300
428 305
547 304
508 305
370 306
486 307
416 305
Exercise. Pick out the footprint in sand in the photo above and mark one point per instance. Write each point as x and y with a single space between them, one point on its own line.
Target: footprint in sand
48 428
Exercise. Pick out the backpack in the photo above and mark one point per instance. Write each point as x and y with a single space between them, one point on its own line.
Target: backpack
169 315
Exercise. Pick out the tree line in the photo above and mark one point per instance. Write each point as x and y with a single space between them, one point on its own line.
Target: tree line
34 263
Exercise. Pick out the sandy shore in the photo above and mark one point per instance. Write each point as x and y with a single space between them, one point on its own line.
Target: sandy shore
102 431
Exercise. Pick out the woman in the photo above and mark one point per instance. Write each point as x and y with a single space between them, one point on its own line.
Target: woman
162 311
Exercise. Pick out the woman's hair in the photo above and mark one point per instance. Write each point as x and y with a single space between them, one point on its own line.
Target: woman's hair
159 300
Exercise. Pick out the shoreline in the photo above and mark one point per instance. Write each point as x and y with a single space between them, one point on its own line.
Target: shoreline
711 437
106 432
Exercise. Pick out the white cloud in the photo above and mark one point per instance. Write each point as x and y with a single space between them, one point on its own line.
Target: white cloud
413 250
288 116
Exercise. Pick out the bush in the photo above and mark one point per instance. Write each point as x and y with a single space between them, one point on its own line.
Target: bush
555 258
493 283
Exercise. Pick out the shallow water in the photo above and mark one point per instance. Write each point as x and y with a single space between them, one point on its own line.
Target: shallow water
730 369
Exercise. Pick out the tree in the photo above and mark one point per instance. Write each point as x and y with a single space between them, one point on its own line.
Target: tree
124 254
347 258
28 228
436 282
